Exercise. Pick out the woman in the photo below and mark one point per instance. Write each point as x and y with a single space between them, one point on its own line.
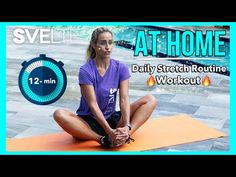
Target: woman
100 79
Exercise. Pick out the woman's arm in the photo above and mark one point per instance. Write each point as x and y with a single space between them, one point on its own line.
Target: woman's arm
124 101
90 97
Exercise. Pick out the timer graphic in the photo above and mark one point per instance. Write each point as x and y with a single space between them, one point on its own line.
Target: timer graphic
42 80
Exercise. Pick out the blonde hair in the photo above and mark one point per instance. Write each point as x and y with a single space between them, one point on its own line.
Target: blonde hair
90 53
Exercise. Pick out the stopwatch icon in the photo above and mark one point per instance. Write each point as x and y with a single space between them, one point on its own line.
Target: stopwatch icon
42 80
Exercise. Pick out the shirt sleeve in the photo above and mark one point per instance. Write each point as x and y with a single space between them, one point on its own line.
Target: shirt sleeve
85 77
124 72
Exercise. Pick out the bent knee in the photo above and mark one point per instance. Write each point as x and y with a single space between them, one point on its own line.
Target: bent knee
59 114
152 100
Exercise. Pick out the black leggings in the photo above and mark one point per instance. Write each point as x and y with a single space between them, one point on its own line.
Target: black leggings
95 126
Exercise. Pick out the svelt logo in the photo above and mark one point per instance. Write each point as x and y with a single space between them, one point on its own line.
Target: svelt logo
45 35
112 95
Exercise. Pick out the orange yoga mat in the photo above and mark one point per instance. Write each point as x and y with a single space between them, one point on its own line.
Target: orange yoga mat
155 133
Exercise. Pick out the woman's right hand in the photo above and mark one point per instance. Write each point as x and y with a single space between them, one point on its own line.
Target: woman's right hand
113 134
118 137
122 135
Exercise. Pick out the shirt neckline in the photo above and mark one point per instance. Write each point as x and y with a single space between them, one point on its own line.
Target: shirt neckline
99 72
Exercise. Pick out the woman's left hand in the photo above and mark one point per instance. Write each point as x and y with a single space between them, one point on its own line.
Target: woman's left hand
123 130
122 135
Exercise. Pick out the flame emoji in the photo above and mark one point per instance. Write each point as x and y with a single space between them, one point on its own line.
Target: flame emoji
206 81
151 81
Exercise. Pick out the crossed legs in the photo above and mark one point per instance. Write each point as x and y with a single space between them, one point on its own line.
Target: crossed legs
140 111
